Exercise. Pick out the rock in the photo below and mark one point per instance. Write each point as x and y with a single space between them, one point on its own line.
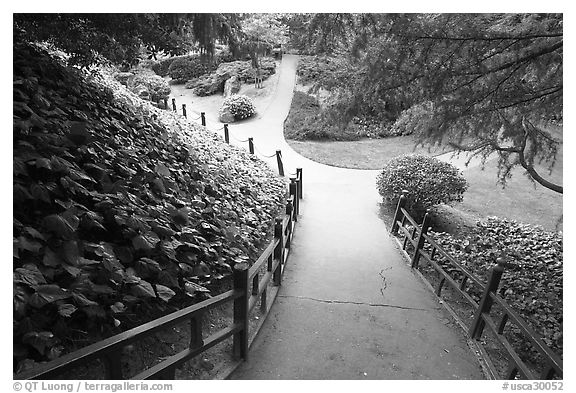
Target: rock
232 86
226 116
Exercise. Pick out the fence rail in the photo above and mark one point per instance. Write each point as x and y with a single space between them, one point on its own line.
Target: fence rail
250 140
415 238
274 256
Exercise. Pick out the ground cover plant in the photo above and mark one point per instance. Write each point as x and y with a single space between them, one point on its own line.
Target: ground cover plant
122 212
532 282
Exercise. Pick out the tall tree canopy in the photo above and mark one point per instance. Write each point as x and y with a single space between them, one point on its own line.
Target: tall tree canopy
120 37
495 79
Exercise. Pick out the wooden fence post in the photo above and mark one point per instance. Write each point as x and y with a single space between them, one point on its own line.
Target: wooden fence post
280 164
299 176
398 214
174 104
485 305
240 343
251 145
184 110
113 362
421 239
203 118
278 251
293 188
226 134
196 340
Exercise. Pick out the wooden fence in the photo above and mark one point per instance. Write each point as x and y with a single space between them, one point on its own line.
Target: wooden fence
425 250
249 286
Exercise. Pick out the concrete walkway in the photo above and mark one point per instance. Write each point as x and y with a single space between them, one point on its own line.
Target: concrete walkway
350 307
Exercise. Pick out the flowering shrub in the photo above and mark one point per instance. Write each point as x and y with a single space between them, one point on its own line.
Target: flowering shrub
428 181
240 106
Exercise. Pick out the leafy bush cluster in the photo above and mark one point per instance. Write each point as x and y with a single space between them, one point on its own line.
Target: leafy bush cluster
369 127
416 119
306 121
428 181
322 70
533 286
162 66
185 68
149 86
122 212
240 106
213 83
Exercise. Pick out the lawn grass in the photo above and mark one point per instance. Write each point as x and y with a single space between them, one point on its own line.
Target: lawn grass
521 199
363 153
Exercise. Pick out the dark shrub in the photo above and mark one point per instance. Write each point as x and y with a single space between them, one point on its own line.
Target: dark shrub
185 68
306 122
428 181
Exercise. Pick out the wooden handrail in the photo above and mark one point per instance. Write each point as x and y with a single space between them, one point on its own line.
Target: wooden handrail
111 344
513 317
482 310
244 301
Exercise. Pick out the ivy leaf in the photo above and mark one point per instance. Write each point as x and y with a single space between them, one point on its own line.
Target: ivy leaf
29 275
146 267
143 290
72 270
66 309
191 288
51 258
29 245
82 300
118 307
145 242
71 252
46 294
39 340
34 233
58 225
164 293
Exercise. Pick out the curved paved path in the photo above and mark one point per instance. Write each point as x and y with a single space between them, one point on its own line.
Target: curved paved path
349 306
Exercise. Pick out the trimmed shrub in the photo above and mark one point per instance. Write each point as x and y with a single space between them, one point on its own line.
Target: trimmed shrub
428 181
240 106
185 68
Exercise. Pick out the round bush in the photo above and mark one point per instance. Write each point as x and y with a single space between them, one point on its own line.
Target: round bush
428 181
240 106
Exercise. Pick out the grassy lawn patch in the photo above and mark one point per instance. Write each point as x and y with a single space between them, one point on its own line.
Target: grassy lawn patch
364 153
521 199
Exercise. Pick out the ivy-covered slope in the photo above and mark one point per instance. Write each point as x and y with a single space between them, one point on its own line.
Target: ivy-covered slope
122 212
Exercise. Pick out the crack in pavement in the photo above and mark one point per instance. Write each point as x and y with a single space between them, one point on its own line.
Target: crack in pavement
355 303
384 282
